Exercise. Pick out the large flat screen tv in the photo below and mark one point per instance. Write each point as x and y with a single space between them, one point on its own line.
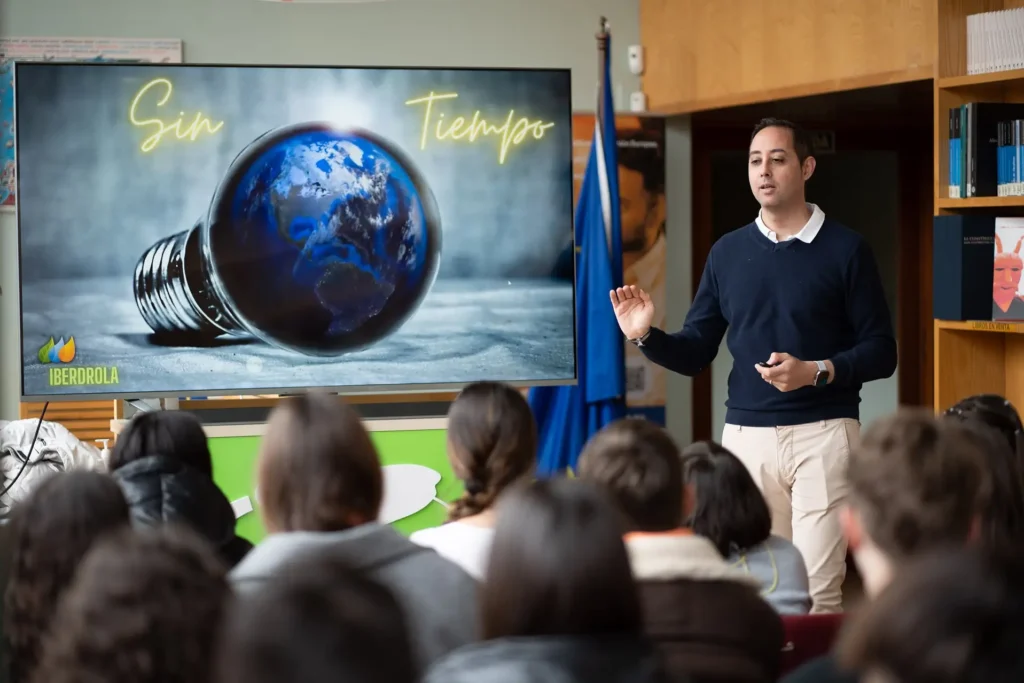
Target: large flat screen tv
192 230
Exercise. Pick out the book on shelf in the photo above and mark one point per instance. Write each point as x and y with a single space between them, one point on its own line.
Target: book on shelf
977 267
955 152
995 41
977 159
1010 159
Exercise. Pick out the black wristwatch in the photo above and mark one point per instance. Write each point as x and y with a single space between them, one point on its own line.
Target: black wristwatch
639 341
821 379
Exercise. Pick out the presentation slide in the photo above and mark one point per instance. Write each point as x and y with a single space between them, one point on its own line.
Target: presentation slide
192 230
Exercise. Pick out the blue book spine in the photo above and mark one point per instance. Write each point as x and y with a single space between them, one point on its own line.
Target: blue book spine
954 189
951 175
1013 182
1012 159
958 176
1005 158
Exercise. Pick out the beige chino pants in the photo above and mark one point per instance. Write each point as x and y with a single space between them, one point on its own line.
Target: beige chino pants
802 472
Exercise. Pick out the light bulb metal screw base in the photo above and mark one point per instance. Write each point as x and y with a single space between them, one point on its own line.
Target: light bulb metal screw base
171 291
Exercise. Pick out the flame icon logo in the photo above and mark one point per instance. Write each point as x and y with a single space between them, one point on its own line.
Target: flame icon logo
59 352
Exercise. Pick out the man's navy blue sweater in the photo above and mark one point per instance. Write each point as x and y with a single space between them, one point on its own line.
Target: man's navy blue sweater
817 301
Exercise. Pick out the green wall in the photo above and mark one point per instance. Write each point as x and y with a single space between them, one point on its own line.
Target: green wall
234 467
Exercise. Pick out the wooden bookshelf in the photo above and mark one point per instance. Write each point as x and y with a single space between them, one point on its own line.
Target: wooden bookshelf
997 78
954 205
983 356
978 358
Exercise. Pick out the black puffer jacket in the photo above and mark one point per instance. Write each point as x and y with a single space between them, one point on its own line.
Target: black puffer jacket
554 659
162 490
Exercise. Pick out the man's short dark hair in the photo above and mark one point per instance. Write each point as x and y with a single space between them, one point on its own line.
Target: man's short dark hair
801 141
918 482
637 462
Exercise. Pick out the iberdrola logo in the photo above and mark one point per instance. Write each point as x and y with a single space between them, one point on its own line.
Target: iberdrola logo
60 352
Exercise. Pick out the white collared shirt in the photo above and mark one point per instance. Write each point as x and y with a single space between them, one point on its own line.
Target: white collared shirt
806 234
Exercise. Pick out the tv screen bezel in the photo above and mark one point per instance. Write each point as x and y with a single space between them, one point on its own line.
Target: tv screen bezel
362 390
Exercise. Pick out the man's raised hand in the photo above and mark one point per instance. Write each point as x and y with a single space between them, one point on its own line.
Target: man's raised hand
634 310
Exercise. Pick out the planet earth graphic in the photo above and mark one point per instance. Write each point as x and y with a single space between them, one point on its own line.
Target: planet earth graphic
325 240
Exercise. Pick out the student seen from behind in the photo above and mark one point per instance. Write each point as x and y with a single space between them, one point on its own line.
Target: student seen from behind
321 488
917 484
952 616
726 507
146 606
52 531
559 603
705 616
322 623
492 444
162 461
997 425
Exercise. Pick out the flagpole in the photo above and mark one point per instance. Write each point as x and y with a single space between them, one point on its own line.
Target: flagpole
602 50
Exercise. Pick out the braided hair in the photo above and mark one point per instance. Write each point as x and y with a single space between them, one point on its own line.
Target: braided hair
492 441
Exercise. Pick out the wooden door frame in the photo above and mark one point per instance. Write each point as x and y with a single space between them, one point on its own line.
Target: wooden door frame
914 256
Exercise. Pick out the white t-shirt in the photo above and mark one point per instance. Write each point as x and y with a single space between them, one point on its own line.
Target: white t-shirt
467 545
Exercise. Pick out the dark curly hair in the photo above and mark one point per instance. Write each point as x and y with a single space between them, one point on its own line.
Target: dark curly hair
145 607
52 530
492 441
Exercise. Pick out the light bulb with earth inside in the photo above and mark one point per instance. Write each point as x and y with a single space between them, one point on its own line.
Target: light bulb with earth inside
318 240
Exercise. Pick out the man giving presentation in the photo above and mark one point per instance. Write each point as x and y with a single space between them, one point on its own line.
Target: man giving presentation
808 325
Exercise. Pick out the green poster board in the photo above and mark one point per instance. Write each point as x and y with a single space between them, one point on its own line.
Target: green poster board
234 470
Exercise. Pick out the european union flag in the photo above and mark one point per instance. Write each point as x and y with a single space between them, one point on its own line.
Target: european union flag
568 416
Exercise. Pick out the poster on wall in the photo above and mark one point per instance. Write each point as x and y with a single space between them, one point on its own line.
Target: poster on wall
158 50
641 152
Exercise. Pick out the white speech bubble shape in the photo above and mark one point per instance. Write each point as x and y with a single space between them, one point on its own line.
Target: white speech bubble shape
242 506
407 490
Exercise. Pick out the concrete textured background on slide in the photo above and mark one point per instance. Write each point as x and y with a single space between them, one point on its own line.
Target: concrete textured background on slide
464 330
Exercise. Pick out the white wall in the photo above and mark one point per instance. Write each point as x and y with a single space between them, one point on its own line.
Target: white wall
514 33
679 195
